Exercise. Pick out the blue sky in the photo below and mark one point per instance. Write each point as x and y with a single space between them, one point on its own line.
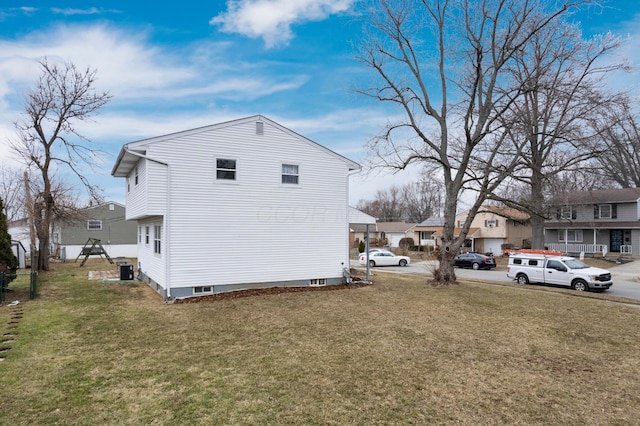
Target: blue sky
191 64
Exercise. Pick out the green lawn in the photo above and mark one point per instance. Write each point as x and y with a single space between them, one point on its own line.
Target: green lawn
396 352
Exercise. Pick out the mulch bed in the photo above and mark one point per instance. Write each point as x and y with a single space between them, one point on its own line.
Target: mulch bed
237 294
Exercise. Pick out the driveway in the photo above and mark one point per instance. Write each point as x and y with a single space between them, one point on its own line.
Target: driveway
626 278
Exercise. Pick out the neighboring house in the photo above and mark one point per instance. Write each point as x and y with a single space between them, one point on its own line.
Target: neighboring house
105 222
429 232
360 224
19 231
386 234
242 204
596 222
494 228
491 228
393 232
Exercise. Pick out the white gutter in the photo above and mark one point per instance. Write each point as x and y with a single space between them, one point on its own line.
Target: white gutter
166 217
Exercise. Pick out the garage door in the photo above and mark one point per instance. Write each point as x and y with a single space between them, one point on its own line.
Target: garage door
493 245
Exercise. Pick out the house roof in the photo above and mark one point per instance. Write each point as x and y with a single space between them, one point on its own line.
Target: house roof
395 226
506 212
357 217
432 222
131 153
471 234
619 195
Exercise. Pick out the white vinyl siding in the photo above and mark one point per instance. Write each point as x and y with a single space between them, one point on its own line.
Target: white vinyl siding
221 226
151 264
149 197
290 174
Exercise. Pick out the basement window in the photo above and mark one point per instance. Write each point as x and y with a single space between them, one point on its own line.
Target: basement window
203 290
317 282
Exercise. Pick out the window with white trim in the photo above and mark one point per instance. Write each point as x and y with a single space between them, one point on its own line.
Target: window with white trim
202 289
139 234
136 179
567 212
290 174
605 211
157 239
225 169
94 225
146 235
492 223
573 236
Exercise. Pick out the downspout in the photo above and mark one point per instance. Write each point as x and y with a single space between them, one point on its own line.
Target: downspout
166 217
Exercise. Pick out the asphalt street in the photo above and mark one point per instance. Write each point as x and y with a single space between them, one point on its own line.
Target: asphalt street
626 278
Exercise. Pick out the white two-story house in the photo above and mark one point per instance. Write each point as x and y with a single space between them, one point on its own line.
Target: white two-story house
603 221
237 205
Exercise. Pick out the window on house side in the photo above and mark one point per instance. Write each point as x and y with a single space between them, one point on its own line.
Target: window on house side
94 225
225 169
146 235
136 176
573 236
566 212
604 211
290 174
157 239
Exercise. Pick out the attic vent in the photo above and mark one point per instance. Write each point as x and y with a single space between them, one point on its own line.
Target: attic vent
259 128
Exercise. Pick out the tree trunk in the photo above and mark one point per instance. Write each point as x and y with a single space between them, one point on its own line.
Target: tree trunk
537 203
445 273
43 255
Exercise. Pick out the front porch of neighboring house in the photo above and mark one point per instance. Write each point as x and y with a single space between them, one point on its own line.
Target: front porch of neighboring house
593 241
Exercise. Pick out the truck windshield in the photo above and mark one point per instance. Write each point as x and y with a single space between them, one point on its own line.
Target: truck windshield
575 264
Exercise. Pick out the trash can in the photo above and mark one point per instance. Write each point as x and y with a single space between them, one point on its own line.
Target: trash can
126 272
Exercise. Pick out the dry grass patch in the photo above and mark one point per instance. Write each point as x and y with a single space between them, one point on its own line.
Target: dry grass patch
396 352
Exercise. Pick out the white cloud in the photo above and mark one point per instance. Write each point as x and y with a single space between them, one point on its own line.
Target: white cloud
271 20
68 12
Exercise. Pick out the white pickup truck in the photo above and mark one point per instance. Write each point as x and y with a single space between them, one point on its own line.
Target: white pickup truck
557 270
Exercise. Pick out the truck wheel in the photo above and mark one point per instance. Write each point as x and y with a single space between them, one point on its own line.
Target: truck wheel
522 279
580 285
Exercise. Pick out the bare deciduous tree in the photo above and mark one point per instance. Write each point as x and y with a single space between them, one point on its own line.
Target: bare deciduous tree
445 65
411 203
562 76
48 139
619 130
12 192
